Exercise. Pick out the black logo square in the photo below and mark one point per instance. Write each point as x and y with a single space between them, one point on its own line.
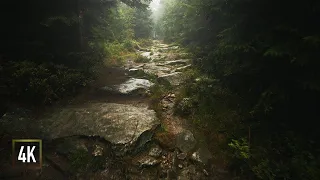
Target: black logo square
27 153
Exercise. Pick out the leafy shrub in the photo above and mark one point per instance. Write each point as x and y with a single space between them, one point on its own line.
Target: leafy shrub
240 155
114 49
185 106
80 160
43 83
268 72
129 45
141 59
145 42
116 52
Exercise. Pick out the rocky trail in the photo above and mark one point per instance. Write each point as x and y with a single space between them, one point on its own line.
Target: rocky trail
111 130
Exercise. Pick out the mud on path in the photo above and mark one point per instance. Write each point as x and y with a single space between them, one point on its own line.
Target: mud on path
110 130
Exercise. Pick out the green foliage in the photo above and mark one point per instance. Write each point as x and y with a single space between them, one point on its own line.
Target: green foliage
144 42
79 160
50 53
184 106
129 45
207 105
43 83
158 91
114 49
263 170
142 23
262 73
240 154
141 59
240 148
115 35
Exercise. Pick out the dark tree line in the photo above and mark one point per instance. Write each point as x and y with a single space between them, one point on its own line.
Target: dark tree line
262 58
49 48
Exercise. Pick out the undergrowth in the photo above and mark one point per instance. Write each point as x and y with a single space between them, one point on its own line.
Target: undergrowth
141 59
117 53
224 117
158 91
81 160
42 83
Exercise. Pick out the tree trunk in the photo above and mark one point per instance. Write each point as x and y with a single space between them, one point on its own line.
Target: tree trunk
80 36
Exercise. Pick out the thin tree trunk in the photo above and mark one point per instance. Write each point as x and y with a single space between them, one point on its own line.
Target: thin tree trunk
80 36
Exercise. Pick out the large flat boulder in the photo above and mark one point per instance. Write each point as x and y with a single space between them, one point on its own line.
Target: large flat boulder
117 123
130 86
178 62
153 68
183 68
202 155
134 84
174 79
185 141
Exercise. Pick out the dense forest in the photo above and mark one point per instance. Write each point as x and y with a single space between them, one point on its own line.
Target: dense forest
52 47
254 85
259 79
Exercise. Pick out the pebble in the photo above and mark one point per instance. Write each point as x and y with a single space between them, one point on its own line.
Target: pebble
182 156
148 161
98 151
155 151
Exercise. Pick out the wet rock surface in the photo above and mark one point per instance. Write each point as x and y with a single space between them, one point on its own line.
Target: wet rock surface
163 64
175 78
147 161
190 173
180 69
117 123
185 141
181 156
178 62
130 86
202 155
156 69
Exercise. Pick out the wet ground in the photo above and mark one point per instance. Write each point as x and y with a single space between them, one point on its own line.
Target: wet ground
110 130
